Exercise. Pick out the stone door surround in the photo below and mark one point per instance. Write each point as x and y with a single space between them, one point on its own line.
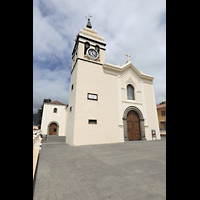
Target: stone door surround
142 129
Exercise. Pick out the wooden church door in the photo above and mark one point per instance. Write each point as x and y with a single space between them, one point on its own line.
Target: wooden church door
53 129
133 126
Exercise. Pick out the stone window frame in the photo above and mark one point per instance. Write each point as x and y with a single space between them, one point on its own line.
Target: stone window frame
133 90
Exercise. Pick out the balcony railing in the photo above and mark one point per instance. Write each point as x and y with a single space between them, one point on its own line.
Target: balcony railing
36 148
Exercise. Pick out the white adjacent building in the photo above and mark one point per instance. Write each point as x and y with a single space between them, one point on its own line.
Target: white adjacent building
54 118
107 103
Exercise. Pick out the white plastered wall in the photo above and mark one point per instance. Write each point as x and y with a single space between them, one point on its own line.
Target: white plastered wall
49 117
151 112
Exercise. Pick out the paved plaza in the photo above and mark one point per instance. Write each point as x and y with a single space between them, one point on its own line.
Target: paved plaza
134 170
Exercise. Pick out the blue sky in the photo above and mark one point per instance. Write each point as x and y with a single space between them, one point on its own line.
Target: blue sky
137 27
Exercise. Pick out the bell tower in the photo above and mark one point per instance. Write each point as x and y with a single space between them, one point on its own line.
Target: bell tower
86 94
88 46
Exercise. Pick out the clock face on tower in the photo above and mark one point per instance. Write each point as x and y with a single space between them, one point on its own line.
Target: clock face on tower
92 53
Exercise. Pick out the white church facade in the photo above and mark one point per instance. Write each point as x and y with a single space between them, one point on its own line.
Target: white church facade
107 103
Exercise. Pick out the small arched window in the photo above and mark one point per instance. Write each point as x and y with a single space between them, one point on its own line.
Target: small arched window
97 48
55 110
87 46
130 92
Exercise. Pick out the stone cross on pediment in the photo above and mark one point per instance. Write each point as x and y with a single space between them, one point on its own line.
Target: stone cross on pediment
128 55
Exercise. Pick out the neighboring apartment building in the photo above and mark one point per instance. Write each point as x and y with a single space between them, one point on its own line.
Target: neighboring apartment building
161 111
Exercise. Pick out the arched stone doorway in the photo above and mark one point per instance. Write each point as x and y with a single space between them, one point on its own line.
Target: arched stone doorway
133 126
132 113
53 128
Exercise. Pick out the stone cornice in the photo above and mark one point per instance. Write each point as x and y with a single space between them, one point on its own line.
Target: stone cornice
116 70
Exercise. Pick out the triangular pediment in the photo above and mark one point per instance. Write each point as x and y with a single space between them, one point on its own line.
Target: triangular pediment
119 70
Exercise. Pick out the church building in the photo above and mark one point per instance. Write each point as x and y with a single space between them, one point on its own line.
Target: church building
107 103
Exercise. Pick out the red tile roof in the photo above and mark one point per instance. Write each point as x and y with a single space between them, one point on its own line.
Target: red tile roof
56 102
161 106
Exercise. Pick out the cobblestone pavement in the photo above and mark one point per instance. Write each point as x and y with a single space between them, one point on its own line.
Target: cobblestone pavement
133 170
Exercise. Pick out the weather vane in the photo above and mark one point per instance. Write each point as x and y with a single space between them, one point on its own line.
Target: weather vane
88 16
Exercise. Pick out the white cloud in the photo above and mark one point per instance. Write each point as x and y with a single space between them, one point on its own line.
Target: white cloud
128 26
52 84
46 39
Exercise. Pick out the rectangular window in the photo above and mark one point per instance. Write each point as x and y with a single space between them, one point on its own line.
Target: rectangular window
70 109
92 121
92 96
163 113
72 87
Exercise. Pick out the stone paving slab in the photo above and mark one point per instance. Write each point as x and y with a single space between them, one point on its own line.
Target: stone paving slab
133 170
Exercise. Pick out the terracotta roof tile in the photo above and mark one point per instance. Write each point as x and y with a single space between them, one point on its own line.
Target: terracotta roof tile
161 106
56 102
